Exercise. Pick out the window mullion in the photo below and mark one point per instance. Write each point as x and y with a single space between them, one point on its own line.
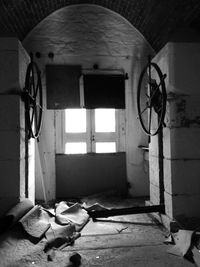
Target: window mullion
121 130
118 123
88 130
93 134
63 130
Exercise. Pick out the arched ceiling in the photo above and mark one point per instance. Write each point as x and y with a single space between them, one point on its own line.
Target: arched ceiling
87 30
155 19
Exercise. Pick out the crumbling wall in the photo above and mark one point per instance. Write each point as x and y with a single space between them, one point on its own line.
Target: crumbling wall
14 182
181 136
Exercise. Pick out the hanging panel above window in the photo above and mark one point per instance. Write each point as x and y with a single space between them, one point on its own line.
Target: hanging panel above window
62 83
104 91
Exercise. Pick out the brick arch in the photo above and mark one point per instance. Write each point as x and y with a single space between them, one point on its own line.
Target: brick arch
154 19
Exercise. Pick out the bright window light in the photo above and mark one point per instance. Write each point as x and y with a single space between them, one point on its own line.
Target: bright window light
75 148
104 120
75 120
105 147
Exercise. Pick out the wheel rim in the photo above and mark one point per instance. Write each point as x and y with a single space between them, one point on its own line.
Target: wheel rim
151 99
33 100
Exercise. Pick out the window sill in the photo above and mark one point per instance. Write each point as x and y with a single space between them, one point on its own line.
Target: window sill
89 154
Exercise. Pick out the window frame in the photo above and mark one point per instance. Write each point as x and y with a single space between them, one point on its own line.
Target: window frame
118 136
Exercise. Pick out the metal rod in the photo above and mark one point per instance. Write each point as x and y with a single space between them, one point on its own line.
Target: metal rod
150 104
125 211
161 169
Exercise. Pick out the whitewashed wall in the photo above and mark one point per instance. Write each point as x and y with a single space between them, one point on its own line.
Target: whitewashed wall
14 61
180 60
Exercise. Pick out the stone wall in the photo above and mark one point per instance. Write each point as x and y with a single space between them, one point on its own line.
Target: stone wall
181 137
14 183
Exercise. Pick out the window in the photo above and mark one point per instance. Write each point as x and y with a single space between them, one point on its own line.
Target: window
81 131
105 120
103 147
75 120
75 148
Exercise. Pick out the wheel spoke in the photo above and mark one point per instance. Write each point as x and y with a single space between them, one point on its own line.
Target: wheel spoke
158 86
30 96
144 110
150 97
36 121
33 79
32 117
36 92
149 71
38 105
147 95
150 114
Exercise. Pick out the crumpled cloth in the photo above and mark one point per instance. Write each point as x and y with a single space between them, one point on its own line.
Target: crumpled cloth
35 222
59 231
94 207
75 214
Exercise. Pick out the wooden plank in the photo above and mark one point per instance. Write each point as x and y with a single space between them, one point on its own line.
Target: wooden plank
62 82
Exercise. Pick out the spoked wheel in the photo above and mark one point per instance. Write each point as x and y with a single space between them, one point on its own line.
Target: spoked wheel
33 100
151 99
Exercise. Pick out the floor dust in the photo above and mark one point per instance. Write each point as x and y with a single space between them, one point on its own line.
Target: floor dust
129 240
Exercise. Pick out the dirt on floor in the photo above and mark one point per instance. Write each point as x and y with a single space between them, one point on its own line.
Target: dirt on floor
128 240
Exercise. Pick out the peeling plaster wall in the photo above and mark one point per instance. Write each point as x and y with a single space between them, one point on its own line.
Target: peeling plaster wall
14 180
88 35
181 138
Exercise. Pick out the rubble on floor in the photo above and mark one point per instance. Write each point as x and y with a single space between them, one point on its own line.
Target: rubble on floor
75 214
50 236
185 238
49 229
186 243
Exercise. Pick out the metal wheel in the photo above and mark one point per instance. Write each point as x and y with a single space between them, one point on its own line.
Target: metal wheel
151 99
33 100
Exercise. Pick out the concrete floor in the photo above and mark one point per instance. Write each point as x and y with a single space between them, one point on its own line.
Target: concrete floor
131 240
140 243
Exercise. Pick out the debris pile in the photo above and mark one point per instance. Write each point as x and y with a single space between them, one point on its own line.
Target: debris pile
186 243
56 227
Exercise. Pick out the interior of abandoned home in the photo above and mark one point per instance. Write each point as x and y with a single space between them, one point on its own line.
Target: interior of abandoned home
99 121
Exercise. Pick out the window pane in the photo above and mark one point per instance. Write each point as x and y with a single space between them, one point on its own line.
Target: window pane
105 147
75 120
75 148
104 120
